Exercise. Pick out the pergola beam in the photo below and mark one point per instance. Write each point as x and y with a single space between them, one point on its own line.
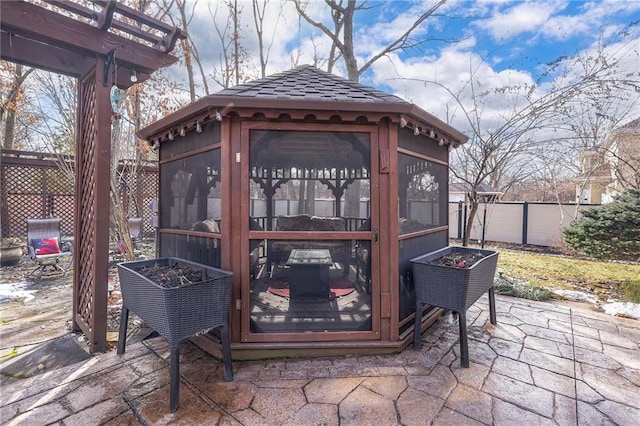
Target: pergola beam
48 27
30 53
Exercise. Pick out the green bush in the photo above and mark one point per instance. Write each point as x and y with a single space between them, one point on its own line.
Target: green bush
631 290
609 231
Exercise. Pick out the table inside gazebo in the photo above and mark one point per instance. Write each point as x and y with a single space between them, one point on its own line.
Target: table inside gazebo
309 275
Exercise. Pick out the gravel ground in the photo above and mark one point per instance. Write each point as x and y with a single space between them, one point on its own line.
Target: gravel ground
44 306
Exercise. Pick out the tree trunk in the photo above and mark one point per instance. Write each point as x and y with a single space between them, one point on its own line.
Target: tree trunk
9 129
9 113
349 55
302 196
473 204
352 200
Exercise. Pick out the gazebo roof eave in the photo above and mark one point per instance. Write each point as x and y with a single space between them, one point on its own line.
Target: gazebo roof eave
228 104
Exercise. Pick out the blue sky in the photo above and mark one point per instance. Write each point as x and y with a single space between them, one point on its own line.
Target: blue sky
508 42
519 34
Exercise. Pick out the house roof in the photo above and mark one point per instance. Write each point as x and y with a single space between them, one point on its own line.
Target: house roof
481 189
632 125
630 128
298 93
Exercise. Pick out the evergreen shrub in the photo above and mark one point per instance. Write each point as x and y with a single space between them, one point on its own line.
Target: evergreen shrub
609 231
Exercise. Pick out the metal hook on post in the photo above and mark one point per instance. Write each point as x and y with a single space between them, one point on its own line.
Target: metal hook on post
111 56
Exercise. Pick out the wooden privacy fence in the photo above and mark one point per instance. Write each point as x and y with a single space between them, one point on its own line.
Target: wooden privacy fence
517 222
34 186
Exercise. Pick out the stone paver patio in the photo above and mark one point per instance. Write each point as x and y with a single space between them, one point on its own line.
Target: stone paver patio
544 363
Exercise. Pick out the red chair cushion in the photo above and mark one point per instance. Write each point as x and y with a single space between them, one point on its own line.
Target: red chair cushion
46 245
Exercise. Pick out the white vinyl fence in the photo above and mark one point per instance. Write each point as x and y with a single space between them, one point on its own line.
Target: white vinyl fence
521 223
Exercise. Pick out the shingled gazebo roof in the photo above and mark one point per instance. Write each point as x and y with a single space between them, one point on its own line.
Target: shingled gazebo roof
309 83
303 93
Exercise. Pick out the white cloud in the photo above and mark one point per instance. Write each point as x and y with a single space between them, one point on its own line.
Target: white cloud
590 21
415 81
522 18
550 20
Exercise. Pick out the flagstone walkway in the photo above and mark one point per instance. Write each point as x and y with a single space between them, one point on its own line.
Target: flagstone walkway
544 363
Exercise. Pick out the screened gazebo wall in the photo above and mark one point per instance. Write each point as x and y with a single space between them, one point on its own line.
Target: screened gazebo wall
190 200
316 205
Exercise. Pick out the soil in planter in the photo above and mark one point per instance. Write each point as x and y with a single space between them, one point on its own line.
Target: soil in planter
459 260
172 276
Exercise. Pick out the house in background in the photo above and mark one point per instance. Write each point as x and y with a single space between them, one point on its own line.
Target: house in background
613 168
486 193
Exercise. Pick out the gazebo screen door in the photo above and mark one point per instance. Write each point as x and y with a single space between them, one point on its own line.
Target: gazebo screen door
309 253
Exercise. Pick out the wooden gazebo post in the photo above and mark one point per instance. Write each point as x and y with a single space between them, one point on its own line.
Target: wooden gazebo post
82 47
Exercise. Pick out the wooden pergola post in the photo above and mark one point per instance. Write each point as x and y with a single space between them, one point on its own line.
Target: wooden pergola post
91 236
80 45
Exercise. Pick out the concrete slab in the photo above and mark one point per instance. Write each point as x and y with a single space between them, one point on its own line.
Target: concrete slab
570 365
30 360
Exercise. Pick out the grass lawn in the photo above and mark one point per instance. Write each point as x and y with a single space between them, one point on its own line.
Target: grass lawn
555 271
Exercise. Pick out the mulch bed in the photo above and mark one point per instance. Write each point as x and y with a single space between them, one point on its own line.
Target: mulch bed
458 260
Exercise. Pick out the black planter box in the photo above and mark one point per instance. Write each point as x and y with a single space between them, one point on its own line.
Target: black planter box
453 288
177 313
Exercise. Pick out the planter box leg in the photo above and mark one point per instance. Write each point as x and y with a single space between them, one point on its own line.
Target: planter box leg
464 346
492 306
417 327
122 334
174 387
226 353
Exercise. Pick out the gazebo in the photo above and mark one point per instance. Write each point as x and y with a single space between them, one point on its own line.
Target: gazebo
315 191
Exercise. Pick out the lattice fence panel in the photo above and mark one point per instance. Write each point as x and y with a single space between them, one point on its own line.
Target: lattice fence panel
34 191
59 182
23 179
63 207
85 178
19 208
144 188
21 193
42 190
149 183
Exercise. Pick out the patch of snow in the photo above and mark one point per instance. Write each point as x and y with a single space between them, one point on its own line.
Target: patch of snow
623 309
576 296
12 291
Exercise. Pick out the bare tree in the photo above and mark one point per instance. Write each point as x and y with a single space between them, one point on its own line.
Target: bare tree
259 9
11 98
502 149
233 56
609 96
341 35
343 13
56 107
180 14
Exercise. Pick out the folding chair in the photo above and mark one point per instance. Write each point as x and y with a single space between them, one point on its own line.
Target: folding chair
45 245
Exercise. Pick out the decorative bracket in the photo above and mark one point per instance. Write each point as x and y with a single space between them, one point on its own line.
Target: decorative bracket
105 17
